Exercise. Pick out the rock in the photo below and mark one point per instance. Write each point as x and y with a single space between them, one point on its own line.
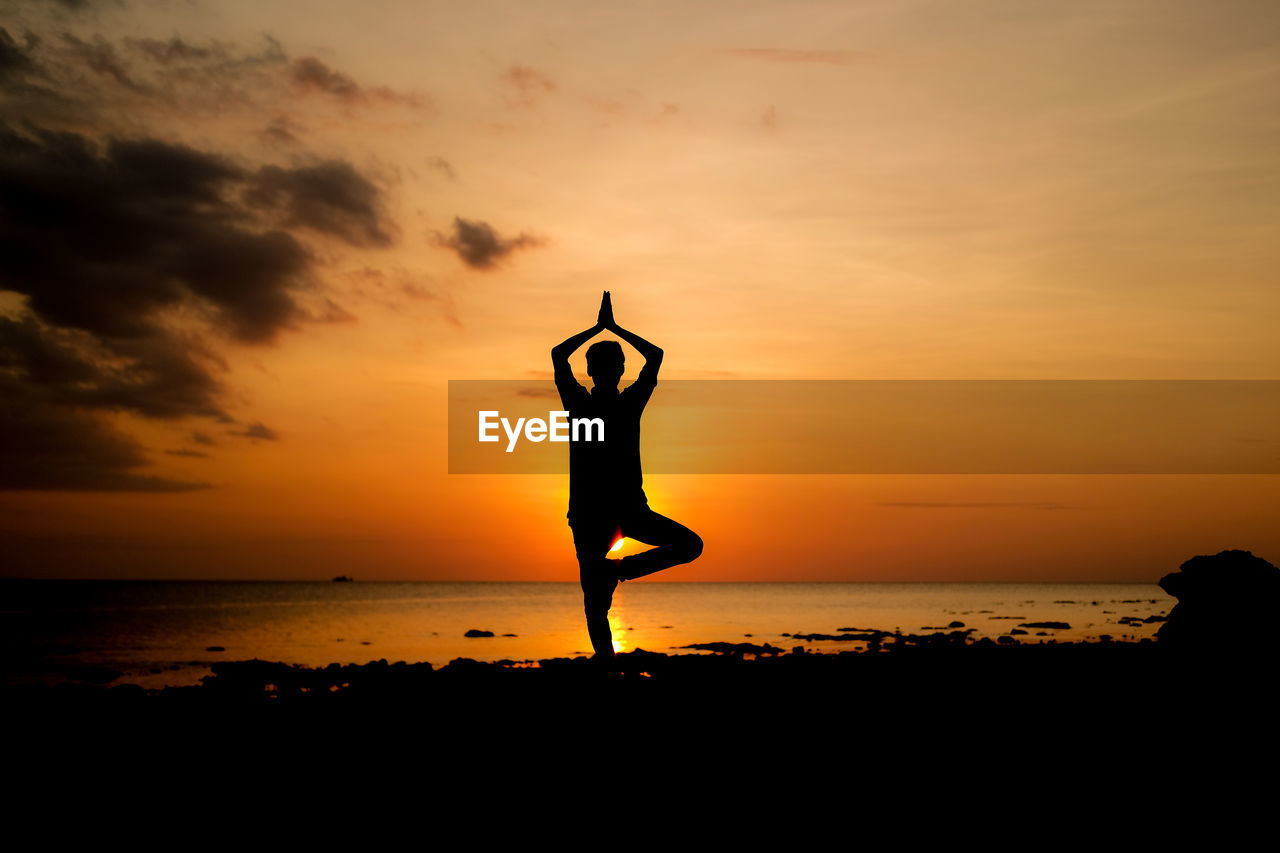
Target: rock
476 632
735 648
1230 596
956 625
1056 626
839 638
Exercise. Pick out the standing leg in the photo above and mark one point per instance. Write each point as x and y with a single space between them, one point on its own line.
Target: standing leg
674 544
591 540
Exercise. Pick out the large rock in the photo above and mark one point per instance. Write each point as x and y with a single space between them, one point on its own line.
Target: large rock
1230 601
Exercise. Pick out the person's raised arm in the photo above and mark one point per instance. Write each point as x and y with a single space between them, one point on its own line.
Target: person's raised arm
560 352
560 355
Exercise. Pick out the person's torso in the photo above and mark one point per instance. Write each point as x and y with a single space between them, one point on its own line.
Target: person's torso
606 473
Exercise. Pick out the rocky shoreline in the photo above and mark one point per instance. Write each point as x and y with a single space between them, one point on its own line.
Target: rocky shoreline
1202 657
912 665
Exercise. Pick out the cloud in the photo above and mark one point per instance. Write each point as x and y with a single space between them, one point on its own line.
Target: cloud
330 312
176 50
14 60
70 81
127 260
527 84
65 81
155 376
258 430
102 239
329 197
280 131
194 454
442 166
479 245
100 57
817 57
310 75
46 446
120 250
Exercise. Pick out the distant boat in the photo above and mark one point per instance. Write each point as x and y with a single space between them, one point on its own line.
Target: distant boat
343 579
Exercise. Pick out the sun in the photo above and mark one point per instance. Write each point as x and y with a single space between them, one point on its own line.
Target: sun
618 544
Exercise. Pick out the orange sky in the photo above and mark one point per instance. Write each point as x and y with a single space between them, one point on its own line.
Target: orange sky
921 190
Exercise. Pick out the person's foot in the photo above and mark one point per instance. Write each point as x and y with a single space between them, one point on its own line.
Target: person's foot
615 566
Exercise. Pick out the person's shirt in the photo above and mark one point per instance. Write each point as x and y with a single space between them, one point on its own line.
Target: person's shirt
606 475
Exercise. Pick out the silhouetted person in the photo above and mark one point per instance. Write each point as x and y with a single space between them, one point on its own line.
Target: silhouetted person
606 498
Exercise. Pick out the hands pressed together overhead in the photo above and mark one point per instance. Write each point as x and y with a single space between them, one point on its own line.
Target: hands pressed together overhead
606 322
605 319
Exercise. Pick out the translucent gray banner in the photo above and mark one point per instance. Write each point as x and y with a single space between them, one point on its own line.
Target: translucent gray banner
895 427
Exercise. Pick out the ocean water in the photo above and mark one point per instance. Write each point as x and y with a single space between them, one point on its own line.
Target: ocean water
162 633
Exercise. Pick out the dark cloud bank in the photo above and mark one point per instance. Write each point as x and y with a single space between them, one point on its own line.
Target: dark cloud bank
133 257
127 260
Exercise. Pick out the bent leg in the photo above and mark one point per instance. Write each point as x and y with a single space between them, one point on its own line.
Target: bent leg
591 540
673 543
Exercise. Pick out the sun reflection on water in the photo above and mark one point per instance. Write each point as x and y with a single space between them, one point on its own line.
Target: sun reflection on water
616 624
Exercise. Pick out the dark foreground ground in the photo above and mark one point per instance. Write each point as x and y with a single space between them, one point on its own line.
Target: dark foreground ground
1114 739
1080 727
941 679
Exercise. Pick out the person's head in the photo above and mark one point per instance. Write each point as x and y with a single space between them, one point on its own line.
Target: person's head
604 363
